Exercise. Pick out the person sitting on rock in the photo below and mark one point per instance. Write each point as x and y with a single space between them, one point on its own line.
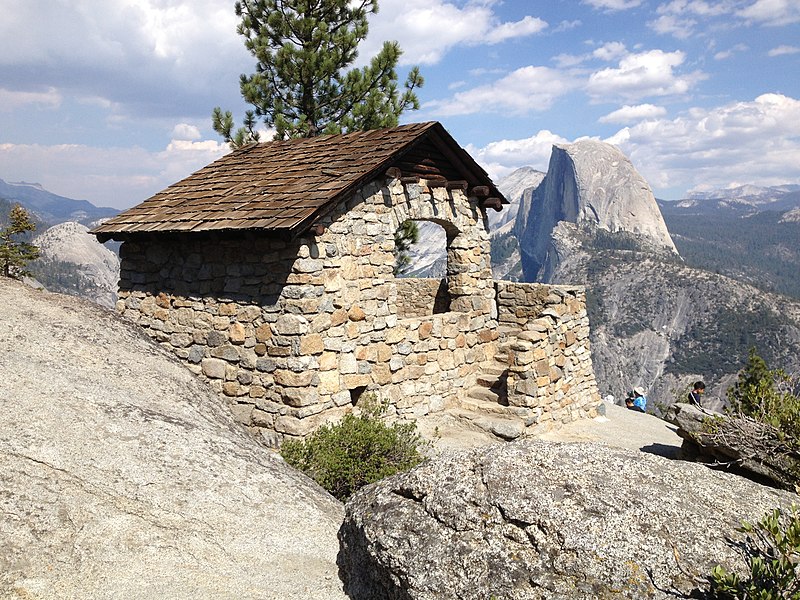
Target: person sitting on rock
696 394
636 400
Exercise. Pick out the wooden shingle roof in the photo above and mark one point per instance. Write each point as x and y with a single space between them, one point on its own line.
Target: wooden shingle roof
287 185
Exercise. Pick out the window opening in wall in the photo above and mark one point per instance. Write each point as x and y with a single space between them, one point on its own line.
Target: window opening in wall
421 251
421 266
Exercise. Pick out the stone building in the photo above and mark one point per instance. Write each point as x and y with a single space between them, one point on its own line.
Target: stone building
270 273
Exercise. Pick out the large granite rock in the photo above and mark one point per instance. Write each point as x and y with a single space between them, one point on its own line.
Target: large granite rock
125 477
588 184
536 520
87 267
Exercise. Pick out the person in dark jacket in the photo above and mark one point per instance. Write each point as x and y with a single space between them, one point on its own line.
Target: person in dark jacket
695 396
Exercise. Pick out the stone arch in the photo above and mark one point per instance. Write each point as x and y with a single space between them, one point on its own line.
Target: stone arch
468 273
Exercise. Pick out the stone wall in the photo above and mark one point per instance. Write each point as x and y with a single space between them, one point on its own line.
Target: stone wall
421 297
549 361
292 332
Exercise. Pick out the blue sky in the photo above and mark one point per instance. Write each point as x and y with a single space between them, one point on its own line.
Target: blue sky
110 100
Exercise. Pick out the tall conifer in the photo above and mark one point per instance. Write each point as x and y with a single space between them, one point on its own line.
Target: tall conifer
15 252
301 86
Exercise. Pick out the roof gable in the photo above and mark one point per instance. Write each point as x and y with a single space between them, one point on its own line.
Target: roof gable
287 185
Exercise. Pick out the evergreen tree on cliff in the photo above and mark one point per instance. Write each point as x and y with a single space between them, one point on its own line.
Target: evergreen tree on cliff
301 86
15 252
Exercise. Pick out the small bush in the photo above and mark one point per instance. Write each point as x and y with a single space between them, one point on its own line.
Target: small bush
772 552
768 396
358 451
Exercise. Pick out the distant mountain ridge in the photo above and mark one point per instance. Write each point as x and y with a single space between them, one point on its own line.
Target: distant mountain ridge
52 208
743 197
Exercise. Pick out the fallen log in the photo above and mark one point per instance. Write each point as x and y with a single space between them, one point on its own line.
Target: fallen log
737 444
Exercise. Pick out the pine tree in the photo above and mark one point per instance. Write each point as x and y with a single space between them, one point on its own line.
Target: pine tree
406 236
767 395
300 87
15 253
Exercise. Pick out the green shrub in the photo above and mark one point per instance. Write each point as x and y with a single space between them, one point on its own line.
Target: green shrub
772 552
769 396
358 451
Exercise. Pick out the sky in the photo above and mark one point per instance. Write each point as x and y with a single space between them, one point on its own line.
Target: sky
110 100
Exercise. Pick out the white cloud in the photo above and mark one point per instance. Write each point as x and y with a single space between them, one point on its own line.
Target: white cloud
427 29
783 50
701 8
12 99
642 75
184 131
725 54
567 25
676 17
772 12
144 56
506 31
756 142
673 25
679 17
610 51
607 52
525 90
118 177
613 4
633 114
501 157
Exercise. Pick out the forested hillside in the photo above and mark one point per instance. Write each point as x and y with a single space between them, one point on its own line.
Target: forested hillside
756 247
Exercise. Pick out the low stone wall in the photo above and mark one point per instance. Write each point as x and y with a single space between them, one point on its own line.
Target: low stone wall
549 361
421 297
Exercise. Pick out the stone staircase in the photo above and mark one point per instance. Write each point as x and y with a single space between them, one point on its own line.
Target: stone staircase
485 405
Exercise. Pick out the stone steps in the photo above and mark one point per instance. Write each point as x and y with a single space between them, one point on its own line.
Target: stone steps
499 426
484 394
492 377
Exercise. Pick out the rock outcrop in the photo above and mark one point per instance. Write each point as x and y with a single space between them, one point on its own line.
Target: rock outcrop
536 520
513 186
588 184
73 262
124 476
737 444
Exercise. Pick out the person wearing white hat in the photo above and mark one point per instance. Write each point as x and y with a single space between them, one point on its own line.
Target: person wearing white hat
637 400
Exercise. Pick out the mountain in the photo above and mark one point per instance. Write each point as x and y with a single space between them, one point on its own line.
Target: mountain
656 321
513 186
757 245
50 207
590 186
73 262
781 197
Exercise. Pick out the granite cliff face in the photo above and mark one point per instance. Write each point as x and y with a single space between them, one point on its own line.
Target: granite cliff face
655 322
589 185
